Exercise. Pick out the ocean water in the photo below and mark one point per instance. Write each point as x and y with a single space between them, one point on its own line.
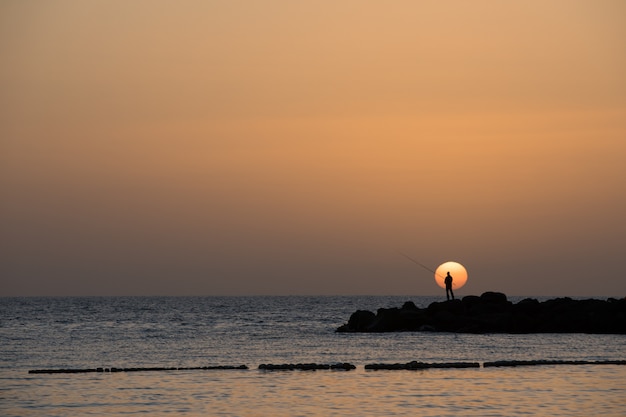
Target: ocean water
91 332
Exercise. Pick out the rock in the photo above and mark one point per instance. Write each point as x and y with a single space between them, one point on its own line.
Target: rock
135 369
409 305
360 321
493 297
493 313
551 362
306 367
343 366
527 306
415 365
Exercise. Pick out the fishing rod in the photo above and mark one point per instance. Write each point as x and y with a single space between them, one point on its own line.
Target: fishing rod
420 264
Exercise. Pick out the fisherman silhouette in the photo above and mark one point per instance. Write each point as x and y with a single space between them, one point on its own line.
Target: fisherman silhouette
448 282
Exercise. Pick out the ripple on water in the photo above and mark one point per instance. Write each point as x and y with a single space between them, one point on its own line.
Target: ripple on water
149 332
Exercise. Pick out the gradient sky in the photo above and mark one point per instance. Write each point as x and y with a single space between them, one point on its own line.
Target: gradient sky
294 147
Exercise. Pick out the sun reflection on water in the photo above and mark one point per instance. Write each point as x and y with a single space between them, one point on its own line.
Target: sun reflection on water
549 390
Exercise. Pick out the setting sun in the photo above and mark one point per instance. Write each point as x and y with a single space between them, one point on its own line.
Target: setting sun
458 272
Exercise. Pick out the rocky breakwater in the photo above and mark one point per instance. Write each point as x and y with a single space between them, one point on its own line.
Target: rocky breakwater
492 312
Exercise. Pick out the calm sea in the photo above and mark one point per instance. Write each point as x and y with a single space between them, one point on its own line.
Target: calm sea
50 333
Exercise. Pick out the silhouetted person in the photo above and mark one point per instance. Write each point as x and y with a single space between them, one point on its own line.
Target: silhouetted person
448 282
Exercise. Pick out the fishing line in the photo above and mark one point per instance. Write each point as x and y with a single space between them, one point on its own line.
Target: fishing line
420 264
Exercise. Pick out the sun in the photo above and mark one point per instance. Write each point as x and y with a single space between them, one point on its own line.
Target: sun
458 272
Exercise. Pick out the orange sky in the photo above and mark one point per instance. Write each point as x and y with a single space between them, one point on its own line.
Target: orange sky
280 147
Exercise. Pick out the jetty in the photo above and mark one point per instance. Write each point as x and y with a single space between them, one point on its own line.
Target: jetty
492 312
342 366
137 369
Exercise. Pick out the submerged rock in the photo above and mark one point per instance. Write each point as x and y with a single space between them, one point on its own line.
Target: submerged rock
415 365
137 369
499 364
306 366
493 313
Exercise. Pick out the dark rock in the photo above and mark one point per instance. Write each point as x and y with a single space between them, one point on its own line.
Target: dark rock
551 362
306 367
387 320
493 313
133 369
409 305
360 321
221 367
411 320
453 306
61 371
527 306
342 366
493 297
415 365
471 299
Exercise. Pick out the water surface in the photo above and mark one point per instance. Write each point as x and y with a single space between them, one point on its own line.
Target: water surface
42 333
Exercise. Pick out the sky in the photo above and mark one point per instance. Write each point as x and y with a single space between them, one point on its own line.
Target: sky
282 148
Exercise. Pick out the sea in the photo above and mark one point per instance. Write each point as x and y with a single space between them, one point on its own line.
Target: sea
192 332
